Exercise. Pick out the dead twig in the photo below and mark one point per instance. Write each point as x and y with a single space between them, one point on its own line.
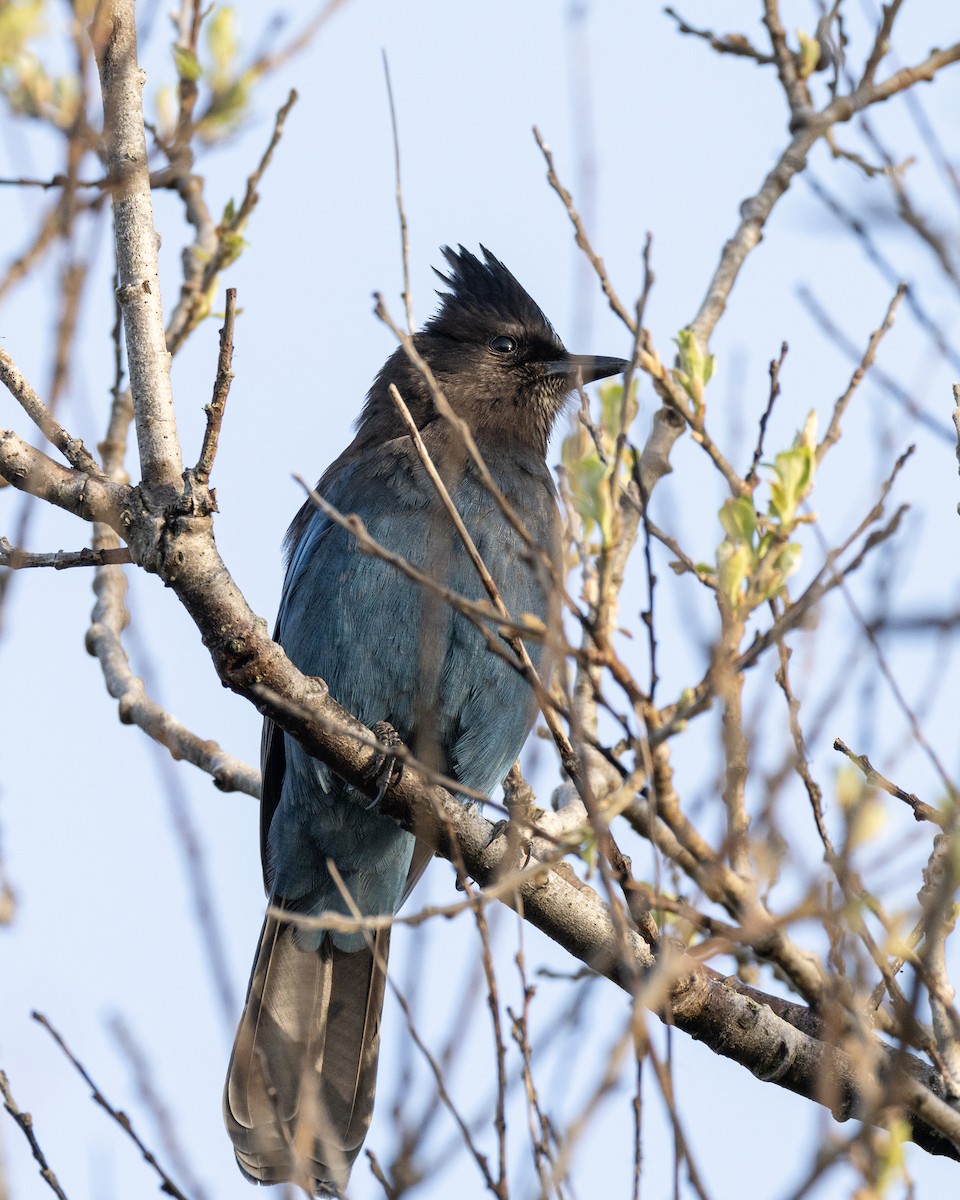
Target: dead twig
25 1123
921 811
20 560
221 390
119 1117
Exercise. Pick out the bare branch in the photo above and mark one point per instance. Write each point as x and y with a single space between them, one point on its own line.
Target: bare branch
121 1118
921 811
832 436
92 498
404 240
72 449
730 43
939 920
114 37
136 706
20 560
756 209
221 389
881 43
25 1123
788 68
582 239
867 94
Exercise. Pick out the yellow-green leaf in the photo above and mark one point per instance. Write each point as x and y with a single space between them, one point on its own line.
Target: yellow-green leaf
696 368
187 64
776 574
612 409
739 519
590 493
809 54
222 38
793 475
734 561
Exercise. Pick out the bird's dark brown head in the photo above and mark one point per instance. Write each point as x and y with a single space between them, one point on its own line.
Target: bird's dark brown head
495 355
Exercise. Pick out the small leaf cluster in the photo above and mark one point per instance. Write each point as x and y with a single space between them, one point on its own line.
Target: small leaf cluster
756 557
589 463
695 368
232 242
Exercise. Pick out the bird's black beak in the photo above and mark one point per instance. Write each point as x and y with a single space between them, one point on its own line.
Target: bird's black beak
590 367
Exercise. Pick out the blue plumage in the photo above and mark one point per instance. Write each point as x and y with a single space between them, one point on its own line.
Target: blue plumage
391 653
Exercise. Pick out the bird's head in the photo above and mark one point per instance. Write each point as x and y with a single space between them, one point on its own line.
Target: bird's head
495 355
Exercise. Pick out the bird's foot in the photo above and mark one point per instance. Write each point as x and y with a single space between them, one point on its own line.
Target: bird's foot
389 769
522 849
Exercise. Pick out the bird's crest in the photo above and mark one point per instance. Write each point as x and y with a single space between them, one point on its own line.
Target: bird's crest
486 292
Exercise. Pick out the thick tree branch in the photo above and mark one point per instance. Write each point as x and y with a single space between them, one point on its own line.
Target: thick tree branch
72 449
114 37
92 498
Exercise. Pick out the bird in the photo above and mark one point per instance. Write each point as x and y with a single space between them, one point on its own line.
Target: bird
299 1094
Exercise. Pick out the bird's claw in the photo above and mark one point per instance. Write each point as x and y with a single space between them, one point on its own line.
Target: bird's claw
389 770
497 829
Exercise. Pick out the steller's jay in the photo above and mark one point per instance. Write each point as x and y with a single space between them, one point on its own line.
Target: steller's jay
299 1093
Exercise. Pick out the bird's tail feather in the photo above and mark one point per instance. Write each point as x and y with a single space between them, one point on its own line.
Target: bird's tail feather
300 1086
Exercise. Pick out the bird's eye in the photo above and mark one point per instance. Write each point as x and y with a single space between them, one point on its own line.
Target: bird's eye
503 344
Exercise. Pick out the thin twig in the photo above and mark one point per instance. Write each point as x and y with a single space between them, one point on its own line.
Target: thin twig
878 376
404 240
881 41
20 560
956 418
921 811
776 366
730 43
567 753
221 390
858 227
121 1118
869 356
801 760
56 181
581 236
152 1100
25 1123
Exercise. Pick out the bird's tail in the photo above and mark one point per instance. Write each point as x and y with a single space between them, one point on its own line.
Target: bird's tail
299 1093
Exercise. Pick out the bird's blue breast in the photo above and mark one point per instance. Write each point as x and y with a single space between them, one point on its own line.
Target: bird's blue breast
391 651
